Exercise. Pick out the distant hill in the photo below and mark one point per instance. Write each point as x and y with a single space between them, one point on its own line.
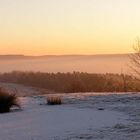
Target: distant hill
60 56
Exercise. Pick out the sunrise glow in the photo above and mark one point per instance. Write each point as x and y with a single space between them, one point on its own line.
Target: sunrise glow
40 27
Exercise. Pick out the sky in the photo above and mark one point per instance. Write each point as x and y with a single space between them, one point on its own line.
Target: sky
46 27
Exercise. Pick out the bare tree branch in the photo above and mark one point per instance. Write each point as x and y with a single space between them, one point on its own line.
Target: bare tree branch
135 58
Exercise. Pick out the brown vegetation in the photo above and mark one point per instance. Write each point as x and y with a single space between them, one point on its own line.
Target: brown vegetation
7 101
74 82
55 100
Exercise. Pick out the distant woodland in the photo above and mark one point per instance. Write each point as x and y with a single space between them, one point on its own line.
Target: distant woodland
74 82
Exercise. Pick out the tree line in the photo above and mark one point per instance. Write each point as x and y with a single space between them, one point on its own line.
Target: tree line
74 82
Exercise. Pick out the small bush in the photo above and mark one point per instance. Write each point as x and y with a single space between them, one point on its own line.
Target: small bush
7 101
54 100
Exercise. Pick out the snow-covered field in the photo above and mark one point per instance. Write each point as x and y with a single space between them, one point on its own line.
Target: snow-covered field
86 116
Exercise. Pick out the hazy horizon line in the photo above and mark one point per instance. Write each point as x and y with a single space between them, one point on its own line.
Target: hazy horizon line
24 55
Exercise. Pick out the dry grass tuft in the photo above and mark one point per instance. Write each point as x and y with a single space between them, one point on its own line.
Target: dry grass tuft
54 100
7 101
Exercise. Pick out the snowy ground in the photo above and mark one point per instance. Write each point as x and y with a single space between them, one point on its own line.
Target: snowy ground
87 116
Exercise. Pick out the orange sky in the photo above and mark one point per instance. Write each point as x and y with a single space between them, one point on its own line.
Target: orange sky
39 27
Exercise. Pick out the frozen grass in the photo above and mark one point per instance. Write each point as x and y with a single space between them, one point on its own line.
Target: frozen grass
64 122
7 101
99 116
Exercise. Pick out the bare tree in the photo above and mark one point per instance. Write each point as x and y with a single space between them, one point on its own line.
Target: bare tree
135 59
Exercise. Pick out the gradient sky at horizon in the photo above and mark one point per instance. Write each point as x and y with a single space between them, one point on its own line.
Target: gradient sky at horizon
39 27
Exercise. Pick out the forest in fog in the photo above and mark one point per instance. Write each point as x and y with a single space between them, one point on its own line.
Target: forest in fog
74 82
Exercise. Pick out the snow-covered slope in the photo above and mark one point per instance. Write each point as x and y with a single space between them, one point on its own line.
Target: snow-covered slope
81 116
44 122
22 90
